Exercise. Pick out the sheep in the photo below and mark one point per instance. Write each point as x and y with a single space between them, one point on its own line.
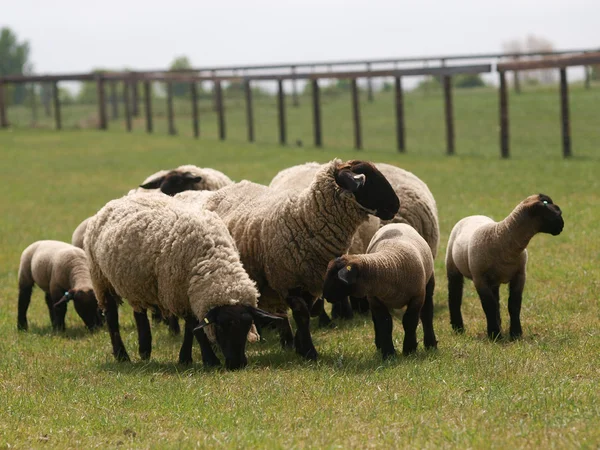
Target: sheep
157 252
417 208
492 253
286 239
61 271
396 271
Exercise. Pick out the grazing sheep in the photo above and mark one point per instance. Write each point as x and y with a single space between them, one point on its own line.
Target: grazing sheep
396 271
158 252
493 253
417 208
286 239
62 272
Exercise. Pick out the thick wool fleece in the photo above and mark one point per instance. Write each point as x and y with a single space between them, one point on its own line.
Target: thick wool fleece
417 205
286 239
55 267
156 251
480 246
396 268
79 233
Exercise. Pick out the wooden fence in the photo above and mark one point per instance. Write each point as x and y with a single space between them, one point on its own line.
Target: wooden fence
131 80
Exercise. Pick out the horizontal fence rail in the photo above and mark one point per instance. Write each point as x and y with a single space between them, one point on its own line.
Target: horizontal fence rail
107 85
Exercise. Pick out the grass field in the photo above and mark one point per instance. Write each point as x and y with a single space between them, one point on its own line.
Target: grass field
65 390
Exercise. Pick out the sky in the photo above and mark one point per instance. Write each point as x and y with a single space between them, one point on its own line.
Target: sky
77 35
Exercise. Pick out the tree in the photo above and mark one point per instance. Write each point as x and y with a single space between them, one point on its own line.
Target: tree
14 60
532 44
180 63
468 81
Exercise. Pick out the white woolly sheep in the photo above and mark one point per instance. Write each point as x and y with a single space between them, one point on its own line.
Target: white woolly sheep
286 239
395 272
417 208
493 253
61 271
158 252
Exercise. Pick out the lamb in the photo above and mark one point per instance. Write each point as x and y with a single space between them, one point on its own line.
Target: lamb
286 239
395 272
493 253
417 208
158 252
61 271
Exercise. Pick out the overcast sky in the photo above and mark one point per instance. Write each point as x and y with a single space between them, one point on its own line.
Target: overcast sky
78 35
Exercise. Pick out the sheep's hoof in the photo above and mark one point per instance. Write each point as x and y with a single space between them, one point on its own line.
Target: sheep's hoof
516 335
145 355
185 361
431 345
388 354
458 328
409 350
22 326
122 356
208 363
494 335
310 354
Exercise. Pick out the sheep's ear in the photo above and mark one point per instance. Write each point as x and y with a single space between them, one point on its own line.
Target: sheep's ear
64 299
263 317
153 184
192 178
350 181
348 274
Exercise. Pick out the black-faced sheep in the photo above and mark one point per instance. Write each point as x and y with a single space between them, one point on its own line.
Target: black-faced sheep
493 253
395 272
160 253
61 271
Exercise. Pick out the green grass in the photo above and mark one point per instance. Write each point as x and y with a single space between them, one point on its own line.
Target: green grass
541 392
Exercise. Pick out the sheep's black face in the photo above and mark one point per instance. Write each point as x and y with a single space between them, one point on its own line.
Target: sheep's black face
232 324
174 182
86 306
549 214
340 279
370 188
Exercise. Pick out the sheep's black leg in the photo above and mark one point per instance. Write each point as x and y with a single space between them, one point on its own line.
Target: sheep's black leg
342 310
144 334
455 294
50 305
209 359
359 305
302 339
489 296
156 317
427 316
325 321
112 321
24 300
60 312
382 320
515 297
185 353
174 329
286 335
410 321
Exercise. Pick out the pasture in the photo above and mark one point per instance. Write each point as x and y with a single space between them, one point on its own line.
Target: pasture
66 391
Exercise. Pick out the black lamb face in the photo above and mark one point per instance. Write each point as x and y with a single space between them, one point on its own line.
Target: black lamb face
232 324
340 279
549 214
86 306
370 188
174 182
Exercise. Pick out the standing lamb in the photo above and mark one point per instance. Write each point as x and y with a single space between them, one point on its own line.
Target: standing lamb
395 272
493 253
61 271
417 208
287 238
158 252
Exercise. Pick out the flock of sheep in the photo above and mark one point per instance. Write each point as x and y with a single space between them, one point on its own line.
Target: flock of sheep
191 244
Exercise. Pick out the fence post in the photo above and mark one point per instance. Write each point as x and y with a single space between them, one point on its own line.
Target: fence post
356 115
449 116
126 105
102 125
45 95
400 115
170 114
194 95
34 111
516 78
220 109
135 98
56 105
587 76
3 118
564 109
114 99
294 88
369 84
281 108
148 100
317 113
504 144
249 112
215 99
